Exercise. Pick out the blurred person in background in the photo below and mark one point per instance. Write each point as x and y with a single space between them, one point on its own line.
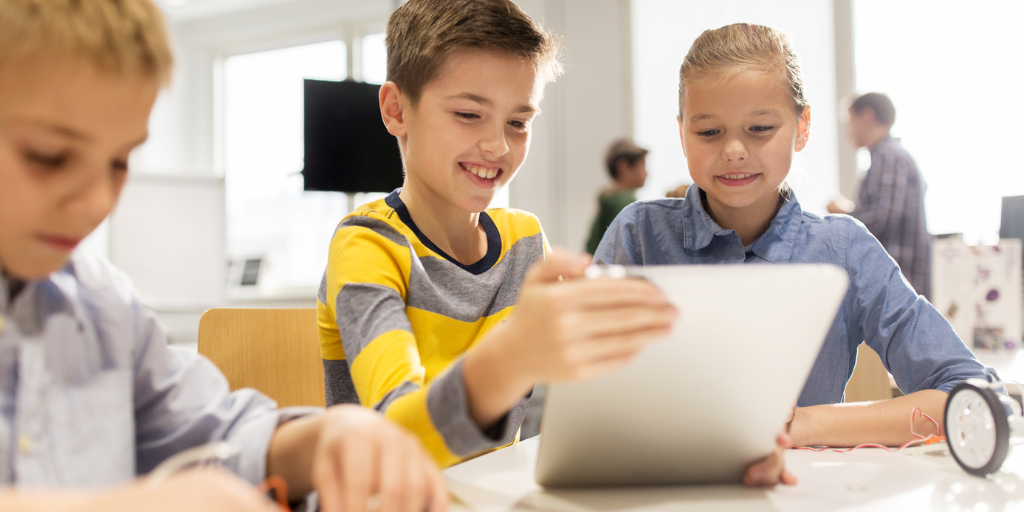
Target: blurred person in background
627 165
891 199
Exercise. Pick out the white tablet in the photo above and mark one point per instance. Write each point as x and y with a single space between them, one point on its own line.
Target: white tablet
702 404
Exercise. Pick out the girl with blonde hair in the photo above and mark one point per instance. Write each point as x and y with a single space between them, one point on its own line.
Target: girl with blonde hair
743 115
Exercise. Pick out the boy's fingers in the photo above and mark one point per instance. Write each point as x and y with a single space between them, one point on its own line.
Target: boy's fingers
439 491
325 479
358 462
625 320
606 293
418 495
560 263
391 480
620 347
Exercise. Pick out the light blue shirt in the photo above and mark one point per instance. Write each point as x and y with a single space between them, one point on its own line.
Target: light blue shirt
915 342
91 395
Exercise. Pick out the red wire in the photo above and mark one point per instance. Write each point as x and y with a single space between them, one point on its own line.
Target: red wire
920 438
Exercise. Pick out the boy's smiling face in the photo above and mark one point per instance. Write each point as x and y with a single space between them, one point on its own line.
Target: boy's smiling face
470 130
66 130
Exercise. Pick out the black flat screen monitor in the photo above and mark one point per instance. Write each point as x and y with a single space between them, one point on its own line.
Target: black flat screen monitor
348 149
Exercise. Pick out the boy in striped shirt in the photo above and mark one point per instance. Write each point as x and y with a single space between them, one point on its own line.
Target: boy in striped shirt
429 311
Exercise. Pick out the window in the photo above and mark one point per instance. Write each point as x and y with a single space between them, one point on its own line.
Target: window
375 59
269 216
954 77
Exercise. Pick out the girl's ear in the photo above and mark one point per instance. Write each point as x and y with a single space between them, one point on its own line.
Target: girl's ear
393 105
803 129
682 140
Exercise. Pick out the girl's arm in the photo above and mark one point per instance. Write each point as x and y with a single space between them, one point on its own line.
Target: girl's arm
885 422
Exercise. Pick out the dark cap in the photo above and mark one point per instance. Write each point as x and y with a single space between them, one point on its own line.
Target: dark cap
623 149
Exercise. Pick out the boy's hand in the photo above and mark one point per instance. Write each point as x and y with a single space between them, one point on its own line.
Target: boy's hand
199 489
360 455
567 329
581 328
772 469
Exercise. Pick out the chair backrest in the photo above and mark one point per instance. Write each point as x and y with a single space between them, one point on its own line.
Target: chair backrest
275 351
870 380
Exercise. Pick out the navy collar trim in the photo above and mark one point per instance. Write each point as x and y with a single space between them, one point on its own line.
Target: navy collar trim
491 230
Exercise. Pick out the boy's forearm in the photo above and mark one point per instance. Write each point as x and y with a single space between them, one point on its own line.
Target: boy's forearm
885 422
494 381
291 453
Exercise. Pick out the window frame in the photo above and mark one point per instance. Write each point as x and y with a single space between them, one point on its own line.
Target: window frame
351 34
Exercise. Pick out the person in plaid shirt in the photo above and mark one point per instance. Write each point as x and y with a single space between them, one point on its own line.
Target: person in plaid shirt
891 202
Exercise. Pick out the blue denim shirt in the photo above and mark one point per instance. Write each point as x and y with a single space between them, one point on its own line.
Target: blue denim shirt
915 342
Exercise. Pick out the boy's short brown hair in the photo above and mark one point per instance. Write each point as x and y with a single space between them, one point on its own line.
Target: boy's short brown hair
880 104
422 33
119 36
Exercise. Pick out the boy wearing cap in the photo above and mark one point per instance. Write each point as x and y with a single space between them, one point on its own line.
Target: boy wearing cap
627 165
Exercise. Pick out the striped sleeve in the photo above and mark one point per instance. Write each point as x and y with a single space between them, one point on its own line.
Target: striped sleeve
367 277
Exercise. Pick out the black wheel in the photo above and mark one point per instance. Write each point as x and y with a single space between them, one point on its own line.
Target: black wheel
977 430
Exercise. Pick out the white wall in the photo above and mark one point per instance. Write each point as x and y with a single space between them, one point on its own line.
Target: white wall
665 29
582 112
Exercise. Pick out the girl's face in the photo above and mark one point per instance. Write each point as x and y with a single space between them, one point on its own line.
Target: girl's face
739 136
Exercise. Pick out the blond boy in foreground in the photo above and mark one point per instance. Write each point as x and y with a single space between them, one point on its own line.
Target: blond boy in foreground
90 394
429 311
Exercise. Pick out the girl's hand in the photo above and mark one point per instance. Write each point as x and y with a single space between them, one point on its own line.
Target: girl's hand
771 470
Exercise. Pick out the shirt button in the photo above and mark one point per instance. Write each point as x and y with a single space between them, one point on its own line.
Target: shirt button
25 444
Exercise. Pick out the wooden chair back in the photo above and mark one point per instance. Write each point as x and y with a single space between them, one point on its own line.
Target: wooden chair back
275 351
870 380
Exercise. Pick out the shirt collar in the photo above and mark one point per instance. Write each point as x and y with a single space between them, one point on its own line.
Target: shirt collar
38 298
775 245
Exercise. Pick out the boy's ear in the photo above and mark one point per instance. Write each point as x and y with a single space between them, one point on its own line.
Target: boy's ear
392 108
803 129
682 140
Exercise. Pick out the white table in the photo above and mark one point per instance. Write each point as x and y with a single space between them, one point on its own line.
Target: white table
864 480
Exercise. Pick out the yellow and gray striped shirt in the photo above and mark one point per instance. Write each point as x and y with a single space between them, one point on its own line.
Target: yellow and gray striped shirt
395 315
